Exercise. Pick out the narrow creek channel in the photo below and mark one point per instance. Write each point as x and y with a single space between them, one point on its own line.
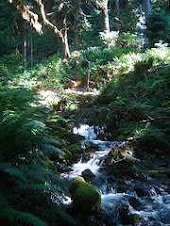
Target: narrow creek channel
149 200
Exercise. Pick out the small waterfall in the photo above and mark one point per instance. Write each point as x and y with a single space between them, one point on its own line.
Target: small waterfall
88 132
143 200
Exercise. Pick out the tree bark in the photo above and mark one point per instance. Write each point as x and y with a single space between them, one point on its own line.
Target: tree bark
147 9
33 19
117 13
31 49
47 22
25 46
105 17
28 15
65 41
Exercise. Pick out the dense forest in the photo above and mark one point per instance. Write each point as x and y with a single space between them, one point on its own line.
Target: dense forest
85 112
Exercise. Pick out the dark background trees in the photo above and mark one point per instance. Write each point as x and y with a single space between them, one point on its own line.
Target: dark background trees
75 22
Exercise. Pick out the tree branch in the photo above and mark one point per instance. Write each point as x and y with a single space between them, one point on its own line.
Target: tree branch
46 21
28 15
33 18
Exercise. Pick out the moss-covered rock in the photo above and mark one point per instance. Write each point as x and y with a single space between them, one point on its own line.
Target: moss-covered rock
128 218
73 152
75 184
85 196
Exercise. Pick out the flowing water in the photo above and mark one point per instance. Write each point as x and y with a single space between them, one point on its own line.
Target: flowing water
153 206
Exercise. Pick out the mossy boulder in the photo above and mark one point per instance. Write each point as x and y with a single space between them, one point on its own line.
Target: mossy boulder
73 152
85 196
132 219
129 218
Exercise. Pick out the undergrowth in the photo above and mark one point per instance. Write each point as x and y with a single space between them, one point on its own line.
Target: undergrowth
135 104
31 188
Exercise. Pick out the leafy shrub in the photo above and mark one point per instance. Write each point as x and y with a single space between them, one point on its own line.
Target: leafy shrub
128 40
14 63
109 38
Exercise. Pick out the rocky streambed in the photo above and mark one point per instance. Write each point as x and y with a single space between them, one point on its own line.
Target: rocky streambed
132 193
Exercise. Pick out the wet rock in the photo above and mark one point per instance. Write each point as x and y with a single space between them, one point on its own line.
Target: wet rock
62 167
145 190
128 218
85 157
90 146
99 218
121 163
124 168
135 203
74 138
121 151
85 196
112 203
88 175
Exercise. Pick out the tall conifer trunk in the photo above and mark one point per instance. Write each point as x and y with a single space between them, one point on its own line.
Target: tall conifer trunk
117 13
65 40
25 46
105 16
147 9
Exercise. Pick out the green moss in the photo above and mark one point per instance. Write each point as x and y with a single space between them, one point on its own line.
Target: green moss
73 152
85 196
74 184
133 219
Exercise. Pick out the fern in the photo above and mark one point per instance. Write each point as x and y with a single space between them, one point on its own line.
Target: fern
28 183
16 218
51 150
12 171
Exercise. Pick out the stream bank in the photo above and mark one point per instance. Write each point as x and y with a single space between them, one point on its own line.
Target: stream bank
131 195
134 189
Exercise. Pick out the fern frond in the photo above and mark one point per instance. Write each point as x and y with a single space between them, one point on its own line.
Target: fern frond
51 150
36 126
46 187
52 141
15 217
12 171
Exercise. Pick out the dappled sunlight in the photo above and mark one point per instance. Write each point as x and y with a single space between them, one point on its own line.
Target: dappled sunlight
84 113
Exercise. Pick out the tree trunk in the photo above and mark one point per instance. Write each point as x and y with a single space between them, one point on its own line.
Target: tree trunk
34 19
66 45
88 76
31 49
147 9
65 40
105 17
117 13
25 46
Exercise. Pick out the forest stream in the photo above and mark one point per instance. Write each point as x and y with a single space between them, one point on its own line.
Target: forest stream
147 200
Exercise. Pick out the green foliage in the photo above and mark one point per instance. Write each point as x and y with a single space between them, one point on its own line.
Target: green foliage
99 58
129 15
9 18
29 183
158 27
128 40
129 101
16 218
